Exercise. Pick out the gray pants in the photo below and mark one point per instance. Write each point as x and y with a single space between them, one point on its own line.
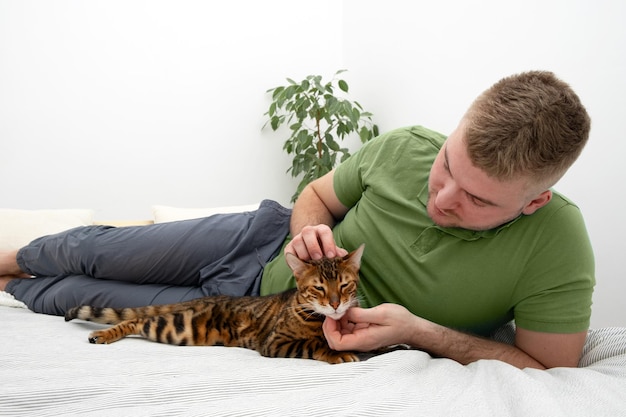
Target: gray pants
157 264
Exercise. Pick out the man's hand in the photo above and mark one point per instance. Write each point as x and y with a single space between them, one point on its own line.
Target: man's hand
369 329
314 242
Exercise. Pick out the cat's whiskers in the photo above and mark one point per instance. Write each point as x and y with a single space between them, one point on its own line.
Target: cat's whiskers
309 309
357 301
300 307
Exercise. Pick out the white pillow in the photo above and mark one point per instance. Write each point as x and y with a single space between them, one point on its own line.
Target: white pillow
164 214
19 227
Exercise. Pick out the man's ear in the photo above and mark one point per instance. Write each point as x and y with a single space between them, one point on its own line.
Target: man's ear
538 202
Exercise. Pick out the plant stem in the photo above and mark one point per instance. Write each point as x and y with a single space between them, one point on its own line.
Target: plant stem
319 134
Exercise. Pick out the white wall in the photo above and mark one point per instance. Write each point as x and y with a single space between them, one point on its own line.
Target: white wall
424 62
117 105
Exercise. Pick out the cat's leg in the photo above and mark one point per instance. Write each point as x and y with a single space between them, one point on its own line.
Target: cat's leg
115 333
332 356
318 349
312 348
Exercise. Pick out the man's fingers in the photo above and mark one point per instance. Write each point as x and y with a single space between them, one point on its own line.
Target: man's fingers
314 242
298 248
327 243
359 315
332 332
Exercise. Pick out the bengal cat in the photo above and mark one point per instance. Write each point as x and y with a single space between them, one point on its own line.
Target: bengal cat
288 324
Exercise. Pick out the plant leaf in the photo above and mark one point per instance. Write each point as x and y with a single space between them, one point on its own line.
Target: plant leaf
277 92
275 122
272 109
331 143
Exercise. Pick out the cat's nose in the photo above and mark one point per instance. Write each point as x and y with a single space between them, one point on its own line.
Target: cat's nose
334 302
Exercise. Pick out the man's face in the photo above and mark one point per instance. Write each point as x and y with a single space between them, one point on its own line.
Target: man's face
461 195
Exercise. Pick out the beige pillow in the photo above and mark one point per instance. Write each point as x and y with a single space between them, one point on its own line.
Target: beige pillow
19 227
164 214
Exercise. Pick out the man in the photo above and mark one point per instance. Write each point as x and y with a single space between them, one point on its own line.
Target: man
462 235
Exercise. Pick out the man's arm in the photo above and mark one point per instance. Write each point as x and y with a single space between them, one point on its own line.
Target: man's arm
391 324
314 214
541 350
552 349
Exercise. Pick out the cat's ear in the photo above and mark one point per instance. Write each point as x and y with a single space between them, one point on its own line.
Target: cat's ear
354 257
297 265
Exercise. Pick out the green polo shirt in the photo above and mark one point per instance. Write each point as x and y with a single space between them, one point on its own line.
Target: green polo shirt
537 269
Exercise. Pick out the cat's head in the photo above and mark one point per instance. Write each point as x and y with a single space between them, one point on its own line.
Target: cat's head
329 285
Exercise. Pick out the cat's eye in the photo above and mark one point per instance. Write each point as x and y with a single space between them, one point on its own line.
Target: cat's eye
319 288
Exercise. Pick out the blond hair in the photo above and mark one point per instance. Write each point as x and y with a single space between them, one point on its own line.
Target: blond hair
530 125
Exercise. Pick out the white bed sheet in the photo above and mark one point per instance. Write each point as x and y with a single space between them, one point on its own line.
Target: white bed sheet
49 369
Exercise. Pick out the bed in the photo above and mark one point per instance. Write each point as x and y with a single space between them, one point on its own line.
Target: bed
49 368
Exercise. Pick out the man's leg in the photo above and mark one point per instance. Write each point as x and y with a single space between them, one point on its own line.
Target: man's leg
56 295
8 264
219 254
9 270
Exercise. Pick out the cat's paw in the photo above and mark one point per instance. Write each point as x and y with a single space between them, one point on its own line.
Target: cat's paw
98 338
341 357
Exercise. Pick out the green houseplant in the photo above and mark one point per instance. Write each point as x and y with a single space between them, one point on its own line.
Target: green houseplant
318 119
